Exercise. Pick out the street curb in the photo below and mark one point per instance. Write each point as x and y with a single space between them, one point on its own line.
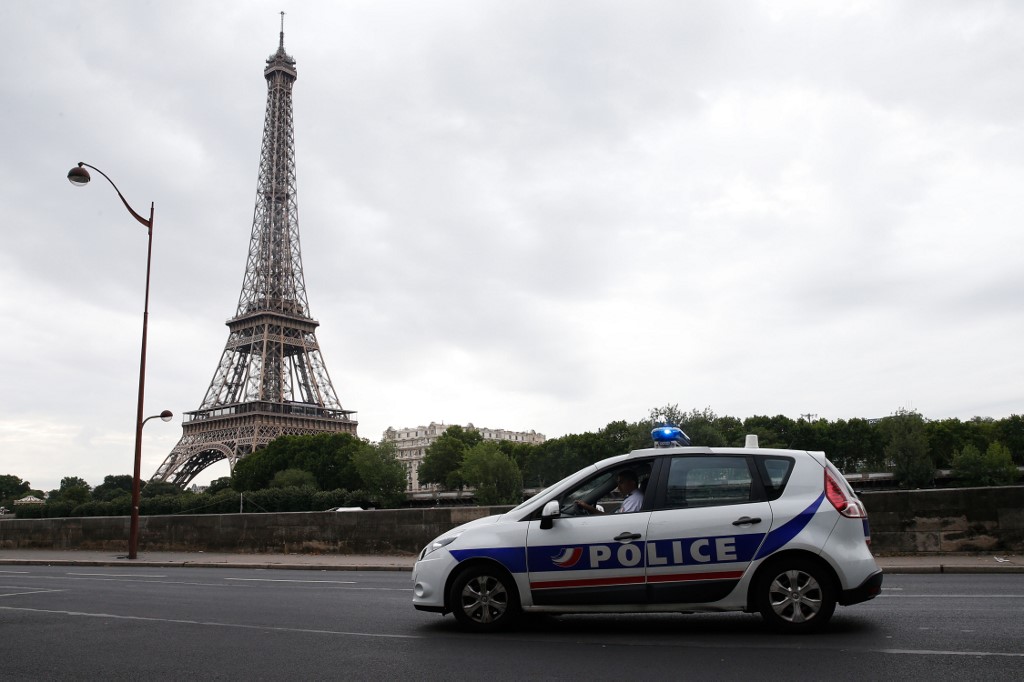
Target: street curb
125 563
944 569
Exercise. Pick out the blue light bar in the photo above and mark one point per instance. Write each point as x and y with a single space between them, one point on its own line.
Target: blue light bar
669 435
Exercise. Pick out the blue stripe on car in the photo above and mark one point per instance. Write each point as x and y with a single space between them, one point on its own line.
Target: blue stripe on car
789 530
512 558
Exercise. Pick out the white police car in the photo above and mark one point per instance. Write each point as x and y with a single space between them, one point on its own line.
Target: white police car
750 529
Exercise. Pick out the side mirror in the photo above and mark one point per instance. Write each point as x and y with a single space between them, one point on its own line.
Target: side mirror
548 515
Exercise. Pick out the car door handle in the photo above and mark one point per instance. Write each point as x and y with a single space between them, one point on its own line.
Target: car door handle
745 520
626 537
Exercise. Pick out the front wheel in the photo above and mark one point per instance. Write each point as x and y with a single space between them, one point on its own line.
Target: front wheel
795 596
484 599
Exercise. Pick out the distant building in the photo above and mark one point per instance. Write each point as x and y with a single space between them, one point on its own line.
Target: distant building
29 499
411 445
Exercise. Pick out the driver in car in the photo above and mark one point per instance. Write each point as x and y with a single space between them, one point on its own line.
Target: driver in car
629 486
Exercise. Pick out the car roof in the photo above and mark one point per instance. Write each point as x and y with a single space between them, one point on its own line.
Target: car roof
704 450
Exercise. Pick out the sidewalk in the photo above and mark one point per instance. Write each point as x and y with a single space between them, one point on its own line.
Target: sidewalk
937 563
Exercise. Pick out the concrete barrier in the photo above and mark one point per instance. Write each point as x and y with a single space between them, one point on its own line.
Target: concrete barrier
386 531
946 520
902 521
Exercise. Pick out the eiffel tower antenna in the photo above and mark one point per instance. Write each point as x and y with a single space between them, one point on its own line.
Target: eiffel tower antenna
271 380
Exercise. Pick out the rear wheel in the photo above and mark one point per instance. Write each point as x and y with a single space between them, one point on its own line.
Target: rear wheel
484 598
795 596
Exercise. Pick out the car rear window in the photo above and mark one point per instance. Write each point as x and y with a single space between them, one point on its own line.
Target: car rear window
775 473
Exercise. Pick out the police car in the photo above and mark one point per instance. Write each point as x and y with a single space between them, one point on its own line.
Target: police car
750 529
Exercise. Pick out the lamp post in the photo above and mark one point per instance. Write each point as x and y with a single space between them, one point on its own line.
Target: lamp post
80 176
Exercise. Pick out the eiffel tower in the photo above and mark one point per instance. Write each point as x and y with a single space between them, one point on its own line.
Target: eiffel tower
271 380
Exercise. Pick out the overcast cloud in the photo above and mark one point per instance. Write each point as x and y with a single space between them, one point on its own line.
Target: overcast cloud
527 215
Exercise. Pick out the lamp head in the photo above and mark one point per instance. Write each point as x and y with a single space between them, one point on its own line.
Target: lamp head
78 176
166 415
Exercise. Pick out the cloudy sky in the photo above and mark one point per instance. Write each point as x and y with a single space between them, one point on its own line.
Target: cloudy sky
535 214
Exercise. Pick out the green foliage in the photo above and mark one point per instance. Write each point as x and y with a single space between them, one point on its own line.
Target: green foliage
772 432
700 425
906 449
328 456
443 459
293 478
12 488
112 487
994 467
73 491
493 473
160 489
217 485
353 472
382 476
1010 432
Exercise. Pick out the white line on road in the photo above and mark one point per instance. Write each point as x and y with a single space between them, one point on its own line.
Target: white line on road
900 652
282 580
954 596
18 572
210 623
927 652
117 575
17 594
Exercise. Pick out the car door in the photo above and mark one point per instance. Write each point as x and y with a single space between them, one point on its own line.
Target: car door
709 517
589 559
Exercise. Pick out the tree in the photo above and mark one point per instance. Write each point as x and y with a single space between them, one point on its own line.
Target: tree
494 474
1010 432
113 487
443 458
771 432
994 467
160 489
699 425
12 488
328 456
293 478
382 475
218 484
72 490
907 449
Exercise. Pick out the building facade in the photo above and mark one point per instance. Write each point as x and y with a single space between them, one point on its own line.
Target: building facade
411 446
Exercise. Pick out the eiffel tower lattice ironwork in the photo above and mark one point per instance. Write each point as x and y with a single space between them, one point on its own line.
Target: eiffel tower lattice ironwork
271 380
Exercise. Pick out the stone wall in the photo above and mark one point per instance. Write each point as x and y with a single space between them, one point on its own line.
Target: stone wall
902 521
388 531
948 520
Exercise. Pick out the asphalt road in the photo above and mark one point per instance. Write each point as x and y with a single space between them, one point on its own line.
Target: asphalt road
222 623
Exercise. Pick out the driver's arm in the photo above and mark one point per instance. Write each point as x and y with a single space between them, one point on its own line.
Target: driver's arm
589 507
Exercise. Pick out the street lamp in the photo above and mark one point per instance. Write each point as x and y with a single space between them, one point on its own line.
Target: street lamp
80 176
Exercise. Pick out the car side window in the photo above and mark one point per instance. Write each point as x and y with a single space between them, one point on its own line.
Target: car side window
709 481
775 474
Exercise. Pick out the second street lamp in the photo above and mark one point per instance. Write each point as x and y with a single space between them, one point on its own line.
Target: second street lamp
80 176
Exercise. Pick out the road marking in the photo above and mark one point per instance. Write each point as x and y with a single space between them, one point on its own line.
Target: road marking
240 626
18 594
117 575
283 580
954 596
928 652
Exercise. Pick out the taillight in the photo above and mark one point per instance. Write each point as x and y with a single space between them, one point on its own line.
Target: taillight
850 508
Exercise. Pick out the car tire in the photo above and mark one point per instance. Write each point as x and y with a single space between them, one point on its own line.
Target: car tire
484 598
795 595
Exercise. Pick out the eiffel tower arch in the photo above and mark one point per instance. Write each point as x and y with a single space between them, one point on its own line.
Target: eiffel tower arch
271 380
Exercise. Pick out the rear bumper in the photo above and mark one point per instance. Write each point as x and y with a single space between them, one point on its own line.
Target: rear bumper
869 589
